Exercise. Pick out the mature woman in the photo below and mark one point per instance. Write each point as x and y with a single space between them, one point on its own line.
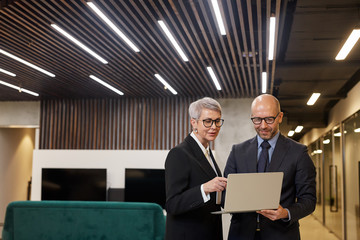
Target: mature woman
193 179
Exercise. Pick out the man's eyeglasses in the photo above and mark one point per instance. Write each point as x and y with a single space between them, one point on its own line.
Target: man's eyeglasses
268 120
209 122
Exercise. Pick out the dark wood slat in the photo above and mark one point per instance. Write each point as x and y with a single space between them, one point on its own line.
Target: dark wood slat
260 36
193 64
252 44
277 15
219 68
246 49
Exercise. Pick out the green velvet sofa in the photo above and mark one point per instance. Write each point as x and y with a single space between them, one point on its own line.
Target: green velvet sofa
82 220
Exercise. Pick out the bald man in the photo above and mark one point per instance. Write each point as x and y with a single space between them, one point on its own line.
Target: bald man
298 195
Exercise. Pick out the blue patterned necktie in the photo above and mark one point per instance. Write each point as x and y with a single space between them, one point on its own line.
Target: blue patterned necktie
264 156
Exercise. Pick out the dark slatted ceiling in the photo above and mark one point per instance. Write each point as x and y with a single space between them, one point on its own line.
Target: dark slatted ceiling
308 37
237 58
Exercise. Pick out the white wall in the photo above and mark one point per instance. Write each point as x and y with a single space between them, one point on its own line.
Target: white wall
237 127
17 141
20 114
115 161
16 148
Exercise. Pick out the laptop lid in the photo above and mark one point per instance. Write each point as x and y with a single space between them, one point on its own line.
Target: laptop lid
247 192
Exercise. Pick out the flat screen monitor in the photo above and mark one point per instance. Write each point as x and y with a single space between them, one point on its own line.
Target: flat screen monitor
73 184
145 185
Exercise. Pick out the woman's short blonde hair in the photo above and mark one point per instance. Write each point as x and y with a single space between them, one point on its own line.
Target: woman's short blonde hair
196 107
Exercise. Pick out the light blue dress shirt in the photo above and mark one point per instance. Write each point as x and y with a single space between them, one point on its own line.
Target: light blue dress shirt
272 143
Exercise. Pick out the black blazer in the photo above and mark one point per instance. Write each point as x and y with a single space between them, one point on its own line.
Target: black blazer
298 193
188 217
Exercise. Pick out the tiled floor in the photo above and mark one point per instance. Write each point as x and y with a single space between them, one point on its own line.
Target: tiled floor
311 229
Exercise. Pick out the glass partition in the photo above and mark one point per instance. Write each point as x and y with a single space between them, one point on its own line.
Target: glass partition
352 180
332 181
316 155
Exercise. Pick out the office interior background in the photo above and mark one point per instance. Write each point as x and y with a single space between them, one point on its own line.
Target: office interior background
62 114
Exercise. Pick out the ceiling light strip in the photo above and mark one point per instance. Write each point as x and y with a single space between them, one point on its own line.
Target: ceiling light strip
173 41
19 88
314 97
113 26
349 44
106 85
271 38
218 17
263 82
7 72
213 77
74 40
165 83
27 63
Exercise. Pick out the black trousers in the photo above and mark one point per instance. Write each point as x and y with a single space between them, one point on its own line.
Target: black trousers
257 236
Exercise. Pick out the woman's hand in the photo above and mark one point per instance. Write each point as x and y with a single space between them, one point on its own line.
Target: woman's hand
217 184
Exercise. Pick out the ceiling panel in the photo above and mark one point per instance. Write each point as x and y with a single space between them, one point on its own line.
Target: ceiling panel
309 34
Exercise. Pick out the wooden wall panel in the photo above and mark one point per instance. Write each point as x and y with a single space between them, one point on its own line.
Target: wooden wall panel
126 123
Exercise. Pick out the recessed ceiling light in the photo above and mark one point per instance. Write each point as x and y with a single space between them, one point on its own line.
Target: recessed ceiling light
74 40
314 97
348 45
326 141
113 26
19 88
357 130
213 77
7 72
165 83
173 41
318 151
27 63
218 17
106 85
291 133
298 129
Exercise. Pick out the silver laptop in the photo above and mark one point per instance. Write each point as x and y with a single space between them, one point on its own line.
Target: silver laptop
248 192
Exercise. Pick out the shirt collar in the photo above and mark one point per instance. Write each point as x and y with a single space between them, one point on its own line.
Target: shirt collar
272 141
192 134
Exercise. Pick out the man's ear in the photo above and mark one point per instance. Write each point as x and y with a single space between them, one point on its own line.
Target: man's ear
281 115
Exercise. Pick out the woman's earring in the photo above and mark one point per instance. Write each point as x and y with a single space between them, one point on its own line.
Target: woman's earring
195 130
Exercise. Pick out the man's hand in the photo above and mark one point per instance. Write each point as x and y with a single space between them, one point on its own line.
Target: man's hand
217 184
275 214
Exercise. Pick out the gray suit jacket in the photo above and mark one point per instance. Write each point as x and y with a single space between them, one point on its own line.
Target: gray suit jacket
188 217
298 193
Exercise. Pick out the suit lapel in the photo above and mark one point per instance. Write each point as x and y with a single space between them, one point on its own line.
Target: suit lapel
215 164
278 155
251 152
200 157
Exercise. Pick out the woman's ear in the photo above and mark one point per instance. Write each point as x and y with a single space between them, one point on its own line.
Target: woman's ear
193 123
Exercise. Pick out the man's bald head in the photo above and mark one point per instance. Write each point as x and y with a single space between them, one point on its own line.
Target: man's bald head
266 107
266 101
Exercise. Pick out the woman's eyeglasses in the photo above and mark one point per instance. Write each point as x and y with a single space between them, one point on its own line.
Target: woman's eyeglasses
209 122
